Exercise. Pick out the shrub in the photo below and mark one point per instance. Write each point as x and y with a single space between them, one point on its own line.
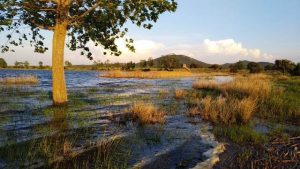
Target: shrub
254 67
147 113
3 63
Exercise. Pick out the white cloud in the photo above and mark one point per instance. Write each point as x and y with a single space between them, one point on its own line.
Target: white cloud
218 51
230 48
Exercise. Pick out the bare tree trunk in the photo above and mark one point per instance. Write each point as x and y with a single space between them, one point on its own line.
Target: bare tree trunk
59 90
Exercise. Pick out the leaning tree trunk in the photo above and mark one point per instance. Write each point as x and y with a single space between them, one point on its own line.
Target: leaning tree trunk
59 90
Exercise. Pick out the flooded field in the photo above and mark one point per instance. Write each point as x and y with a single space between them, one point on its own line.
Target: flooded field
94 131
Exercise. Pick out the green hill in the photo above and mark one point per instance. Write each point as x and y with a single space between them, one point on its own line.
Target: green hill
182 59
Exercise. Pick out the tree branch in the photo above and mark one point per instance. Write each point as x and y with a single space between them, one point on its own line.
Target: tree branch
50 28
86 12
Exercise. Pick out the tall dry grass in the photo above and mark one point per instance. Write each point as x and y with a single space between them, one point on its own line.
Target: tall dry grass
30 79
255 86
147 113
227 110
147 75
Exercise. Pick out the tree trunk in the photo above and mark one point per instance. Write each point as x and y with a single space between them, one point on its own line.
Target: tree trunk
59 90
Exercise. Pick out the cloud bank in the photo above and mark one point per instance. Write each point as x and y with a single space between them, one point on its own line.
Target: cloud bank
210 51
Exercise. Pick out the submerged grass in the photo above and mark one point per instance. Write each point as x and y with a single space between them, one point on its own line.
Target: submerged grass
30 79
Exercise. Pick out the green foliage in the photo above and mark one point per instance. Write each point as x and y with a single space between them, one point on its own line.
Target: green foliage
143 63
41 64
236 67
285 66
129 66
215 67
87 20
68 63
150 62
297 70
240 134
169 63
254 67
3 63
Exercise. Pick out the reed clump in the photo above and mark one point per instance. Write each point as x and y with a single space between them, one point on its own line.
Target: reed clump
147 113
227 110
21 80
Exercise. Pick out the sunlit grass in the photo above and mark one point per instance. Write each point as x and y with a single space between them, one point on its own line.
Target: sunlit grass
158 74
147 113
30 79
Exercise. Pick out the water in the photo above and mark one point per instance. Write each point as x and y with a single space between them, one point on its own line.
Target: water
93 131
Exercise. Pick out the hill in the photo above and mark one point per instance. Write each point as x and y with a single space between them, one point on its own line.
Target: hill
182 59
245 63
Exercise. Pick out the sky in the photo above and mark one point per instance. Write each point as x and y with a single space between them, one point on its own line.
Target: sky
213 31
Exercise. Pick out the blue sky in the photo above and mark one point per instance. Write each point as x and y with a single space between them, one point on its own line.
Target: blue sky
214 31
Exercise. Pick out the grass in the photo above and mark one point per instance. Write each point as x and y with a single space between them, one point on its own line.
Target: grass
180 93
147 75
240 134
227 110
30 79
147 113
159 74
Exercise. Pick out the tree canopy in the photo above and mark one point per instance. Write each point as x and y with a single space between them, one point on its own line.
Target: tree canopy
100 21
3 63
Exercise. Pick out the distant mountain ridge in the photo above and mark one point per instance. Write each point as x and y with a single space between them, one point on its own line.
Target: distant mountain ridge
182 59
246 62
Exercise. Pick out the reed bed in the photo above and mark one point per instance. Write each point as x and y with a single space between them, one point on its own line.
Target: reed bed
227 110
238 100
147 75
158 74
21 80
255 86
147 113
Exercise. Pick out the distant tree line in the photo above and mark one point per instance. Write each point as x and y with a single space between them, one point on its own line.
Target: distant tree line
284 66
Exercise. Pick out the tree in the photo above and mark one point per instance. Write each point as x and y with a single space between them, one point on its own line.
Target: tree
68 63
215 67
169 63
99 21
129 66
26 64
40 64
143 63
236 67
297 70
254 67
150 62
285 66
3 63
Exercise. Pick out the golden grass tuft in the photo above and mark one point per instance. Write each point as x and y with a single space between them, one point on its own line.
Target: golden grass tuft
20 80
193 111
147 113
227 110
180 93
206 84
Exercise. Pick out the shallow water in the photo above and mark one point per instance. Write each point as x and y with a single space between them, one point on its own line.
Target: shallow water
92 131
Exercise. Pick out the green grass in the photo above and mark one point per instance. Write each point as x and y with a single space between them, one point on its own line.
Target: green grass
240 134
